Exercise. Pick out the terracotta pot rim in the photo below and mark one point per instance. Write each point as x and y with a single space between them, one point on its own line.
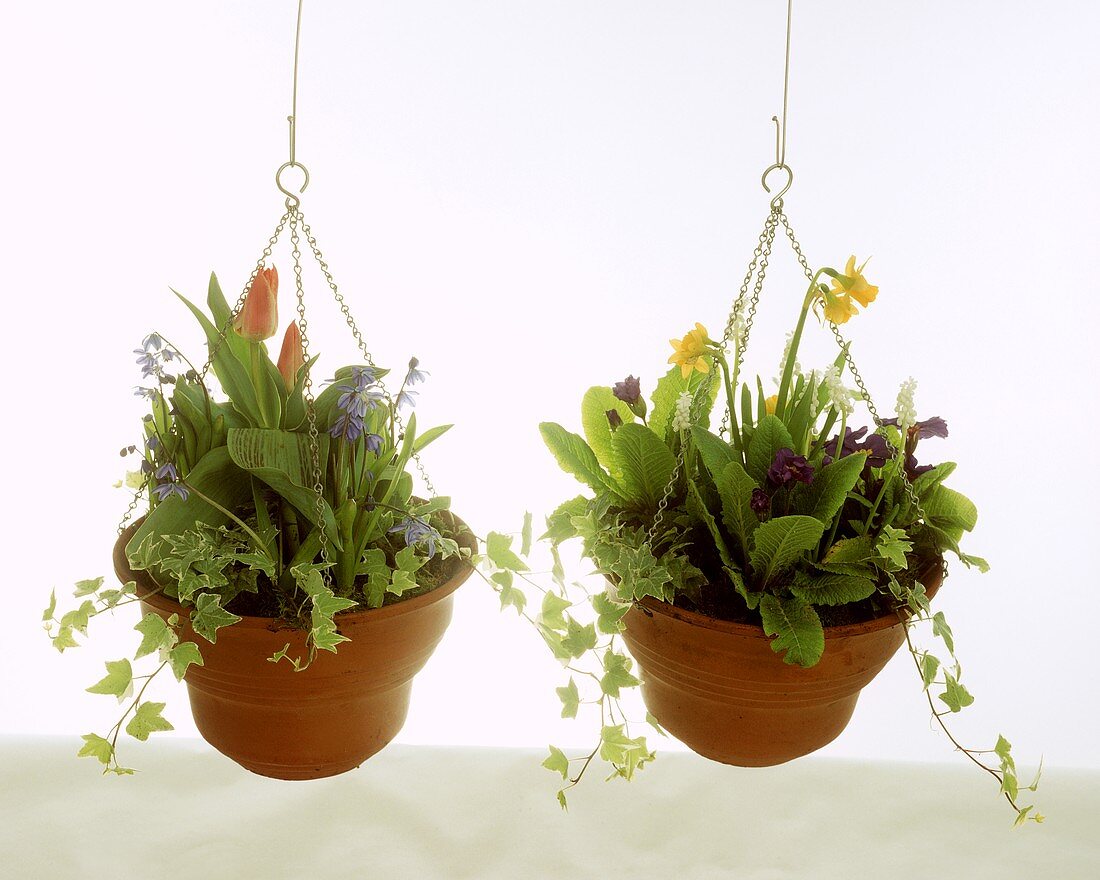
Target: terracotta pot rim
165 603
751 631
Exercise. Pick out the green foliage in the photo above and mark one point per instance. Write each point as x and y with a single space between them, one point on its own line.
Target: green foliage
208 616
768 438
617 674
595 404
823 498
715 452
498 548
644 463
575 457
556 762
570 699
735 488
781 542
182 656
118 682
795 627
831 589
156 635
147 719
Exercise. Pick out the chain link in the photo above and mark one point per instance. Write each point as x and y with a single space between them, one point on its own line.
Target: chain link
129 512
224 329
307 391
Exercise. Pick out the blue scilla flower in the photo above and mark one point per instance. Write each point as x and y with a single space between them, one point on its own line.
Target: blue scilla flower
415 376
348 426
417 531
147 361
152 342
167 471
167 490
362 377
145 393
406 398
374 443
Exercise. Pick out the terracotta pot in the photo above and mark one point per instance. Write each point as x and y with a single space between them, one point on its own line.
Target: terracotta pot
719 688
327 719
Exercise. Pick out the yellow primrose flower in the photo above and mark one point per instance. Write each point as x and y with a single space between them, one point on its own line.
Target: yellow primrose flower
771 403
859 290
838 306
688 352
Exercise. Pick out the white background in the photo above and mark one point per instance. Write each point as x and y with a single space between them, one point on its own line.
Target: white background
532 197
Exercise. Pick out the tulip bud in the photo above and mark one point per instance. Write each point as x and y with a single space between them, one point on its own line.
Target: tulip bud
291 356
258 318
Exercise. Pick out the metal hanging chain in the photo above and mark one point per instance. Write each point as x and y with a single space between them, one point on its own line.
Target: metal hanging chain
307 392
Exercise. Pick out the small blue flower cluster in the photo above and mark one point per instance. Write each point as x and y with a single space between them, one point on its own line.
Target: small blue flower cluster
356 399
417 531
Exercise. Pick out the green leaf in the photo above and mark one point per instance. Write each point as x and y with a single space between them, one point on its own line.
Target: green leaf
698 509
498 548
929 666
831 589
429 436
570 699
118 682
147 719
575 457
768 438
208 616
64 639
579 638
824 497
796 629
182 656
782 541
892 545
557 762
941 629
559 524
645 464
626 753
51 608
735 488
617 674
668 391
509 595
609 614
96 747
652 721
551 614
78 618
715 452
525 535
950 510
595 404
955 696
155 635
86 588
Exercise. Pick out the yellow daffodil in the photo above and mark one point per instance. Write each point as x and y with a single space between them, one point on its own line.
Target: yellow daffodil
859 289
688 353
770 404
837 306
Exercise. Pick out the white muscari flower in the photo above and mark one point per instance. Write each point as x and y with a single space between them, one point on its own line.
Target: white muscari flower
681 418
839 396
738 326
906 409
797 371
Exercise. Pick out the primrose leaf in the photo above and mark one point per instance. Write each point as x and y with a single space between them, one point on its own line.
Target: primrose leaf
147 719
796 629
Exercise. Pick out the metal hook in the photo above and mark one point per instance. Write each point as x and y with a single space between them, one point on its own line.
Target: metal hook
777 199
292 200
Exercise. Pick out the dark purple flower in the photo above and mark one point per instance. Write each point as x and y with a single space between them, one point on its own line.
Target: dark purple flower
876 446
152 442
629 391
789 466
417 531
760 503
914 470
614 419
933 427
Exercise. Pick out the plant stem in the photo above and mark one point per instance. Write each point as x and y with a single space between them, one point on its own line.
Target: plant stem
792 352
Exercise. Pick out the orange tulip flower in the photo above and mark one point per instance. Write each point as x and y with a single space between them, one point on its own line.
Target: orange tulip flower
258 318
291 356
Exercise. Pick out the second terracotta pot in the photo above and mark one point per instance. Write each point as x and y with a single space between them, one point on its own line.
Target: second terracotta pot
325 720
718 687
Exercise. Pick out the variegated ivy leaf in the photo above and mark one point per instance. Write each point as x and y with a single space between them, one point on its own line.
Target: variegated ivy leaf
525 535
557 762
96 747
118 682
626 753
570 699
509 595
47 615
892 545
78 618
498 548
929 667
955 696
86 588
64 639
155 635
617 674
147 719
941 629
610 614
208 616
182 656
578 638
551 614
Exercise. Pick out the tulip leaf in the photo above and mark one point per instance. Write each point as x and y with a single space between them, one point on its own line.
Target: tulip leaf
223 318
231 373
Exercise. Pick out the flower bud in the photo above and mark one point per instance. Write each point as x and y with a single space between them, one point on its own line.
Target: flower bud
291 356
258 318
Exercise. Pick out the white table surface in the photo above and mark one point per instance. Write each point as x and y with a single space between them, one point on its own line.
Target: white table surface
419 812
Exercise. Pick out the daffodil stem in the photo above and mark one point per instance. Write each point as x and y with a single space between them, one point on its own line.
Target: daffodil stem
731 404
792 351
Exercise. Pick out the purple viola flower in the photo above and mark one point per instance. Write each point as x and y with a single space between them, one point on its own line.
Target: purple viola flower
788 466
933 427
914 470
876 446
417 531
760 503
415 376
167 471
373 442
167 490
614 419
629 391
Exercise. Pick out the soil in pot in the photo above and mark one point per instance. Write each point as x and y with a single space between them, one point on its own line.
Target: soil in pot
327 719
719 688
